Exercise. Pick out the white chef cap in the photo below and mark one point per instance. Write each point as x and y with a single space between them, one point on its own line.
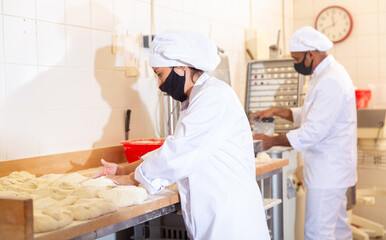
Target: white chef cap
183 48
309 39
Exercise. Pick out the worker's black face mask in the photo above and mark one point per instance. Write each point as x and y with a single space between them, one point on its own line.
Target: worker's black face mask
301 67
174 85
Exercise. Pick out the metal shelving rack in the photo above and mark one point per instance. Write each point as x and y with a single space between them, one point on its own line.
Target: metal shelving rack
273 83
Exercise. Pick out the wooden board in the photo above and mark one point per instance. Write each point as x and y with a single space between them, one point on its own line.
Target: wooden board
264 167
64 162
16 219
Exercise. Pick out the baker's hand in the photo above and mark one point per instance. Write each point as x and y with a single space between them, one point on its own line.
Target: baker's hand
267 140
124 179
109 169
263 114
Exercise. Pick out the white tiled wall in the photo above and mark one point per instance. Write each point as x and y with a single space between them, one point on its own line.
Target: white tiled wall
363 52
61 88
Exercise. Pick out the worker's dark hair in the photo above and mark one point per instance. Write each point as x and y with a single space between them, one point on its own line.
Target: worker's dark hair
196 72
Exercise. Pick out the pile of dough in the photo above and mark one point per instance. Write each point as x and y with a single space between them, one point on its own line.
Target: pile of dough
124 196
263 157
51 218
85 209
59 199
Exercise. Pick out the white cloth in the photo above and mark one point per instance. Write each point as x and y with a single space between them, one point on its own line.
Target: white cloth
309 39
211 158
327 134
184 48
326 215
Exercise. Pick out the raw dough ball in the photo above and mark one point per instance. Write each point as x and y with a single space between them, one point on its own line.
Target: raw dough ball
124 195
49 219
263 157
69 179
87 192
99 182
48 179
85 209
44 202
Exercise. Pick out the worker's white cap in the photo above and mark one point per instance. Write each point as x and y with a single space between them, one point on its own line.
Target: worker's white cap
309 39
183 48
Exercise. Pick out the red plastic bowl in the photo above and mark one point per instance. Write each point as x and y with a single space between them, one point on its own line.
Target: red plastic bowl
363 97
135 149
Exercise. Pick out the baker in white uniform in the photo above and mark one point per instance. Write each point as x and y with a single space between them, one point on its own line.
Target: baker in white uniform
210 156
326 135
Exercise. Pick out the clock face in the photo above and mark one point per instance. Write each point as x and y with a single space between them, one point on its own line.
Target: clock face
335 22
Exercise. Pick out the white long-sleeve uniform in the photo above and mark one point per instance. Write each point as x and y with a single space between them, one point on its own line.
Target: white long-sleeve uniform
327 134
211 158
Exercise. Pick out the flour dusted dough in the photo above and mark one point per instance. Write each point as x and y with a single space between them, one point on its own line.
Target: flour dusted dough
99 182
71 179
87 191
85 209
263 157
124 196
49 219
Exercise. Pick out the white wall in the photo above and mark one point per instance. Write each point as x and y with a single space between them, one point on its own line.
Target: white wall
363 53
60 87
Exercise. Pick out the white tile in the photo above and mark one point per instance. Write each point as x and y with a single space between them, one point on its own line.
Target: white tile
176 5
205 8
19 40
162 3
347 48
21 8
382 23
238 35
190 22
50 10
2 88
162 18
351 65
298 23
21 87
205 27
241 14
365 82
22 134
54 88
1 6
51 44
1 39
113 130
382 6
101 50
304 9
102 14
190 6
124 16
382 45
222 11
85 89
222 35
367 45
367 6
3 142
176 20
78 12
142 21
366 24
78 47
369 67
110 90
382 63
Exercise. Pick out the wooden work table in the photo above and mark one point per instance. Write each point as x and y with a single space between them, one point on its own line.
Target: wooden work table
16 220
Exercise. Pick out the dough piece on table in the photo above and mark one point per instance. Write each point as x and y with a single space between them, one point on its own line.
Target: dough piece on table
30 183
44 202
85 209
18 188
17 177
67 201
47 179
99 182
68 179
51 218
87 192
124 196
50 191
263 157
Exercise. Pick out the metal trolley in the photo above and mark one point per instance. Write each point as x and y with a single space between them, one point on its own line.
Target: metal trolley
273 83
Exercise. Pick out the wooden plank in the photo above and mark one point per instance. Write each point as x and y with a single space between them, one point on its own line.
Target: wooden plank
64 162
16 220
264 167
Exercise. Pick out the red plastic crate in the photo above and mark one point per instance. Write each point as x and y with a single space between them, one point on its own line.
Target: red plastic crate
363 97
135 149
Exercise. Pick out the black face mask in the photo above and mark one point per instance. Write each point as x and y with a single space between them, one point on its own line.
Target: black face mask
174 85
301 67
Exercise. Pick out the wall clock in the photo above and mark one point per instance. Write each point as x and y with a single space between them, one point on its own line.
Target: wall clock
335 22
